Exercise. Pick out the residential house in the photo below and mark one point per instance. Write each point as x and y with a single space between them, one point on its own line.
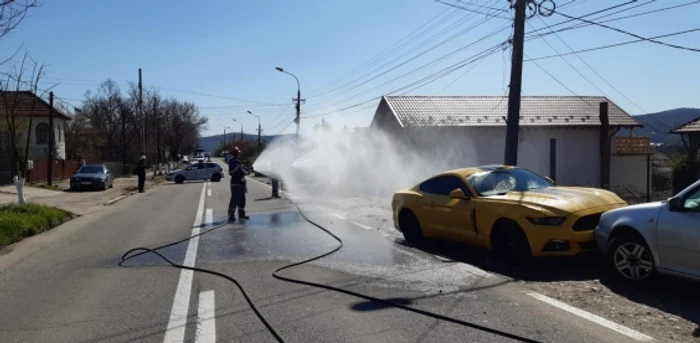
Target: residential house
23 102
559 136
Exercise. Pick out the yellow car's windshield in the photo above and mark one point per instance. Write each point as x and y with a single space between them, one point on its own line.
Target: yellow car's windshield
502 181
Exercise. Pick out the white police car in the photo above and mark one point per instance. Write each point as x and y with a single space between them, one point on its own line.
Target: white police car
197 171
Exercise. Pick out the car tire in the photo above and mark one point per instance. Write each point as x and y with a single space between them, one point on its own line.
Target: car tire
216 178
410 227
508 241
179 179
630 259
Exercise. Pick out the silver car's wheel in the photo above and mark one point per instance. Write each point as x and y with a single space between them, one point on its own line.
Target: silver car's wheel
633 260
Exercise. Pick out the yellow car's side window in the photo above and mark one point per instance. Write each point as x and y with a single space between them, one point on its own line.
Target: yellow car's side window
443 185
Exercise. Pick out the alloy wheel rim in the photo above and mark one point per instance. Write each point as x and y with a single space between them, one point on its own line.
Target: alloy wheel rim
633 261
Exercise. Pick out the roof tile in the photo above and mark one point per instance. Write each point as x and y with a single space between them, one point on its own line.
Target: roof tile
691 126
493 111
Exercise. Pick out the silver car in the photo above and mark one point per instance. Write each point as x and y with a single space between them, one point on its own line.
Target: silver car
659 237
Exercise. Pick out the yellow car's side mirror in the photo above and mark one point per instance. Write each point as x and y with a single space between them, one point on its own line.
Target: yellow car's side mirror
457 194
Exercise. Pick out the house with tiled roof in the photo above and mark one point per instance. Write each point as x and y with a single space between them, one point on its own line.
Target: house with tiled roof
690 132
560 136
25 103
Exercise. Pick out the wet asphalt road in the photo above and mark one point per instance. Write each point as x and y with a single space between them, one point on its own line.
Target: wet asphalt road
71 290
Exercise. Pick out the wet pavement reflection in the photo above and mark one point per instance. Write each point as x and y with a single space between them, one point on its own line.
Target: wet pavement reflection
286 236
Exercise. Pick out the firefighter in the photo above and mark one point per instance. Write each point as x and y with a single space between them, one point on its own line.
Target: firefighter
238 187
141 173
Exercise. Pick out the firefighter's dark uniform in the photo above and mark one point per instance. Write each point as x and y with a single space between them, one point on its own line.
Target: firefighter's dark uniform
238 189
141 174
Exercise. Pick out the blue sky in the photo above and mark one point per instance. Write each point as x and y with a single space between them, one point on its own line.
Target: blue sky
229 49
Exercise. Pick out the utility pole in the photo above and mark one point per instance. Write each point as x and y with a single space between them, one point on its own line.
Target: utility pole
298 98
49 167
123 139
143 117
259 129
297 120
155 118
515 88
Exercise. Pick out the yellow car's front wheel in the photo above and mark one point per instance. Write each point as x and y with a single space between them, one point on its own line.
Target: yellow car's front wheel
509 241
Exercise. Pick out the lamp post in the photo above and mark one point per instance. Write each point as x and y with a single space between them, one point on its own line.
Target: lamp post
259 128
298 99
239 123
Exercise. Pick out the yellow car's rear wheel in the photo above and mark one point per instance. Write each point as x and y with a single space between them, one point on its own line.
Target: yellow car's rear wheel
410 227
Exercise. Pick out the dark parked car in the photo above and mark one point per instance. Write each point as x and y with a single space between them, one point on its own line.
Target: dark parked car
92 176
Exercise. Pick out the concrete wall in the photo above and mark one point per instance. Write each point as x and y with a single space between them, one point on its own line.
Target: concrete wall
628 172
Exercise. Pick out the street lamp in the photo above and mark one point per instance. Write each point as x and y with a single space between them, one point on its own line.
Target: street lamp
225 128
259 128
298 99
239 123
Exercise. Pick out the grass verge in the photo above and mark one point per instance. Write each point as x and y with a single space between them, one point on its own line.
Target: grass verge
19 221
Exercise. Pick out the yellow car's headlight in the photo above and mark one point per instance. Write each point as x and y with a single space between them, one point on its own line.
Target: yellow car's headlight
548 221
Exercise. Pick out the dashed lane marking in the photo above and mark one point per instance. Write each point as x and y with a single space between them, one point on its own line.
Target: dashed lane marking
592 317
338 216
209 192
175 332
206 318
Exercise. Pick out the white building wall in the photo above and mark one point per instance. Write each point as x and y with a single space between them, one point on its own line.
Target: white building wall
40 150
578 159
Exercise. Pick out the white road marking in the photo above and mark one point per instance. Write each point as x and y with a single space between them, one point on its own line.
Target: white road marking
209 192
592 317
338 216
175 333
363 226
209 218
206 318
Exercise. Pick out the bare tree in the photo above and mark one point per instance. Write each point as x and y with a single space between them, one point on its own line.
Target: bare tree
12 13
19 116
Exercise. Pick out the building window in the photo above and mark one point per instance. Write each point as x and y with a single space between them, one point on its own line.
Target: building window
42 133
60 133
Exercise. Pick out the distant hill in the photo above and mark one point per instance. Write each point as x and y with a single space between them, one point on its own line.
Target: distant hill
211 142
657 125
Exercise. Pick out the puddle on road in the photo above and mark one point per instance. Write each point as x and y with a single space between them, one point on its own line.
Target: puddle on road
286 236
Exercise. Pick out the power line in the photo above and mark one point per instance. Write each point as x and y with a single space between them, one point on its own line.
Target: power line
569 63
428 79
421 67
422 44
378 56
475 11
675 46
593 70
658 10
99 83
613 45
565 86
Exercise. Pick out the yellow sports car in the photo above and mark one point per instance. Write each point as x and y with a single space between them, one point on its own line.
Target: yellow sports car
509 210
